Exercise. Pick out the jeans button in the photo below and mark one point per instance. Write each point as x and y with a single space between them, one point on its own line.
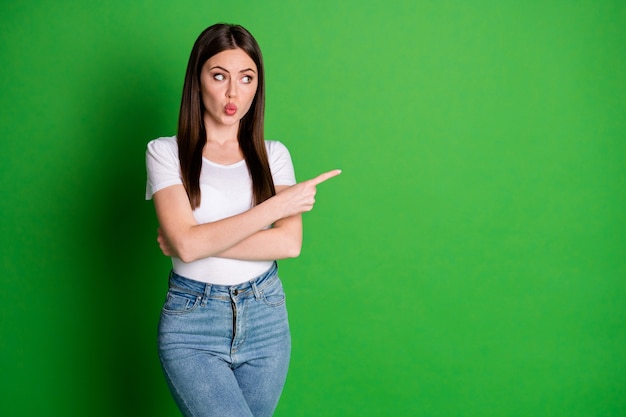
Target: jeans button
236 292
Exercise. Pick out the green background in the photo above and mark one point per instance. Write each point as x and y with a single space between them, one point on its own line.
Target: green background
469 261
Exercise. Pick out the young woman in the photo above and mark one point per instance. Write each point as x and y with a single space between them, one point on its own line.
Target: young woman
228 207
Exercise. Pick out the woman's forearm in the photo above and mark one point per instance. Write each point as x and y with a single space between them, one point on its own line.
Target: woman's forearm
282 241
190 241
243 236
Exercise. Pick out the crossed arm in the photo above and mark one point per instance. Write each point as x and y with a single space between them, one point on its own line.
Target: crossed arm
243 236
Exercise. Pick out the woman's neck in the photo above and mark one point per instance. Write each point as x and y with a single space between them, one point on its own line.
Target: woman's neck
222 146
220 133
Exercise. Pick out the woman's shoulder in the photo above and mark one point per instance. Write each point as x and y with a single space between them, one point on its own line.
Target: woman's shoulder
275 147
280 163
163 142
166 144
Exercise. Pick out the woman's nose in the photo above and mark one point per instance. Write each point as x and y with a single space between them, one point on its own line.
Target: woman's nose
232 89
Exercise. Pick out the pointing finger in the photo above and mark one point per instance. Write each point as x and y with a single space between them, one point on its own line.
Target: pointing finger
325 176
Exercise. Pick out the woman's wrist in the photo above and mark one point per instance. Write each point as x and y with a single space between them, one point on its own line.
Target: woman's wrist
275 207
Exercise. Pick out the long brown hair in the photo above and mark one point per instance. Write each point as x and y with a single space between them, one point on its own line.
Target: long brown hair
191 131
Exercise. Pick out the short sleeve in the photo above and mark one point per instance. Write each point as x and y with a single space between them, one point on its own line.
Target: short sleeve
162 165
280 163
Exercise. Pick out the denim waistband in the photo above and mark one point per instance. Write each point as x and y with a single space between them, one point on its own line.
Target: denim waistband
245 289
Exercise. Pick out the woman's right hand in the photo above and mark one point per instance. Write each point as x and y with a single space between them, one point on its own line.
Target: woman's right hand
300 198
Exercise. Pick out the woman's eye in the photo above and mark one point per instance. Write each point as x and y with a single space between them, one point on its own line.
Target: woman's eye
247 79
219 77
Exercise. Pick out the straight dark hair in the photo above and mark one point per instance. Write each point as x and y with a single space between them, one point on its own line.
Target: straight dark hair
191 131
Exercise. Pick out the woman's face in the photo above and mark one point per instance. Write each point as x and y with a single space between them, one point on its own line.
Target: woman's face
228 83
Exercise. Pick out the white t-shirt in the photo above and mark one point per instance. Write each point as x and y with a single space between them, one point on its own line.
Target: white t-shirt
226 190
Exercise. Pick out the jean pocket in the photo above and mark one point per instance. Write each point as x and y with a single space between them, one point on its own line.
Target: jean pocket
180 302
274 295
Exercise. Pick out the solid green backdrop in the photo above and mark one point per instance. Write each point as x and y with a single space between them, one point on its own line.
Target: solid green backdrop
469 261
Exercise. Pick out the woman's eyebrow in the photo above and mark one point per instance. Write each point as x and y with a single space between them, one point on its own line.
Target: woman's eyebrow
220 68
225 70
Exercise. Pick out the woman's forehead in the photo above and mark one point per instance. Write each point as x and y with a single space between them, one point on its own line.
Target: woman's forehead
232 59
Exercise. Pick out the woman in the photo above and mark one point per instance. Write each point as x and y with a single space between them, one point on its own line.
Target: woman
228 207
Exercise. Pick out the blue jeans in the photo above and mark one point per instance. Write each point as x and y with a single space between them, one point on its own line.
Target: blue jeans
225 349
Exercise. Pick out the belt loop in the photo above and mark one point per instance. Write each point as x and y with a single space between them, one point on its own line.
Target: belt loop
207 293
257 294
169 279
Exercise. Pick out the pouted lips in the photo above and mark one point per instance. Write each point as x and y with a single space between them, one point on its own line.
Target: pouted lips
230 109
